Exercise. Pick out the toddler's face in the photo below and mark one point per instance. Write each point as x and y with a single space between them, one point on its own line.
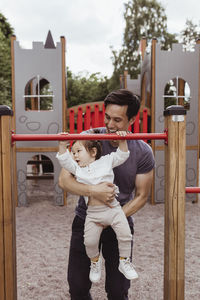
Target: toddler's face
81 155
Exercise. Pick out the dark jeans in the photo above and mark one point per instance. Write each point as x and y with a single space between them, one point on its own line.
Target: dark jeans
79 265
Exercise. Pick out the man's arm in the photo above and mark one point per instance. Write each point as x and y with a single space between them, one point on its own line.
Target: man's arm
142 189
103 191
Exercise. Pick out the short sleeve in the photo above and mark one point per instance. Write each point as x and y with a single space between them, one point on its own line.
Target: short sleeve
146 160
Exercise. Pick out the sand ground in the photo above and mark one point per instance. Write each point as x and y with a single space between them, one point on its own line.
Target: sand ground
43 237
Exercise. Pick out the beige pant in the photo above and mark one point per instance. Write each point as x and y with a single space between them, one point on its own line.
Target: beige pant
106 216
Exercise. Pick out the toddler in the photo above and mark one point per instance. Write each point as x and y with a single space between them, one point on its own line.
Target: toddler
89 167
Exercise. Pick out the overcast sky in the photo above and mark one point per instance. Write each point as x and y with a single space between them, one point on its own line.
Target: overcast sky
89 26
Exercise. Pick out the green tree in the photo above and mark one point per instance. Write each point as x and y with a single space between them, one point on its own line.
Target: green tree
86 88
189 35
143 18
5 62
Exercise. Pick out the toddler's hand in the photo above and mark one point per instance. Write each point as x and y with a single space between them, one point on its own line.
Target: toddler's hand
122 143
121 133
64 143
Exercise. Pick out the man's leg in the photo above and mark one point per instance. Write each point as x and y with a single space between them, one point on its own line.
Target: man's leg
117 285
79 264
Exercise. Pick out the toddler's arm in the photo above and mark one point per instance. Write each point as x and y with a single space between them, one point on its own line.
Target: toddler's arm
62 146
122 153
122 143
64 157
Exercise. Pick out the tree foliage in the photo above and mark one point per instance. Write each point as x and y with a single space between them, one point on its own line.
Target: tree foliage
189 35
143 18
5 61
86 88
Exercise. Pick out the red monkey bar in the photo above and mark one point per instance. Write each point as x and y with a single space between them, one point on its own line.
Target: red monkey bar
192 190
61 137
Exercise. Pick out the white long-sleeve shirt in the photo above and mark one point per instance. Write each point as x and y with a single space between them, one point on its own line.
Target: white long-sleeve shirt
101 170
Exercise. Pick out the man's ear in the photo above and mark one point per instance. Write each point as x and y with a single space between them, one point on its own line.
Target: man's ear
132 120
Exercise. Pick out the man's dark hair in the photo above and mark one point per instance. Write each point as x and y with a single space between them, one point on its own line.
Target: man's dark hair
124 97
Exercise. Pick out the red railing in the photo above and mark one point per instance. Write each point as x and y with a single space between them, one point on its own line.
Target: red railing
80 119
192 190
76 136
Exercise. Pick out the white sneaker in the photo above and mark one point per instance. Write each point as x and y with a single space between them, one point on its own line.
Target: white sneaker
126 268
95 270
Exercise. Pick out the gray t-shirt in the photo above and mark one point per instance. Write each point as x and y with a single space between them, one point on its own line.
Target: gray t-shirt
140 161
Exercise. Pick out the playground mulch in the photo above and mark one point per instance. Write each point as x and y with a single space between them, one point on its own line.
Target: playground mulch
43 237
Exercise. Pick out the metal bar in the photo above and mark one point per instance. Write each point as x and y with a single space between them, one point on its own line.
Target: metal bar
96 116
71 121
192 190
137 123
38 96
174 96
114 136
80 120
38 78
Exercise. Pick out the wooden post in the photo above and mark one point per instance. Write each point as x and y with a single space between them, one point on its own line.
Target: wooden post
64 100
175 173
143 45
15 192
125 79
8 286
153 99
198 100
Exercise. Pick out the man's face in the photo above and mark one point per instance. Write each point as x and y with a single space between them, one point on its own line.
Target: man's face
116 118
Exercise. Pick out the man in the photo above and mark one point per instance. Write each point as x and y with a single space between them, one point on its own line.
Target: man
121 108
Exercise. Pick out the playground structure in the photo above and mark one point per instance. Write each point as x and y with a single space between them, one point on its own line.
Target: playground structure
39 106
29 119
175 168
169 77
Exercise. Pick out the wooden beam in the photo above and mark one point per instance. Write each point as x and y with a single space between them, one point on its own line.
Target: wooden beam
175 175
37 149
8 209
153 95
15 193
2 266
64 100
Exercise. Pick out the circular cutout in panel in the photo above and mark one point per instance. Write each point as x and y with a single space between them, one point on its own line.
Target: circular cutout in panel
161 119
58 190
160 171
160 195
33 126
53 128
21 176
190 174
22 119
22 199
190 128
22 187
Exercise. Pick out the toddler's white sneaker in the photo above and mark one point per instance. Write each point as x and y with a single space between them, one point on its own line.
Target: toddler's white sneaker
126 268
95 271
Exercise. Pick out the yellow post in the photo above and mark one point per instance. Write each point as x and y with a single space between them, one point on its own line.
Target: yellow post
8 286
175 173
